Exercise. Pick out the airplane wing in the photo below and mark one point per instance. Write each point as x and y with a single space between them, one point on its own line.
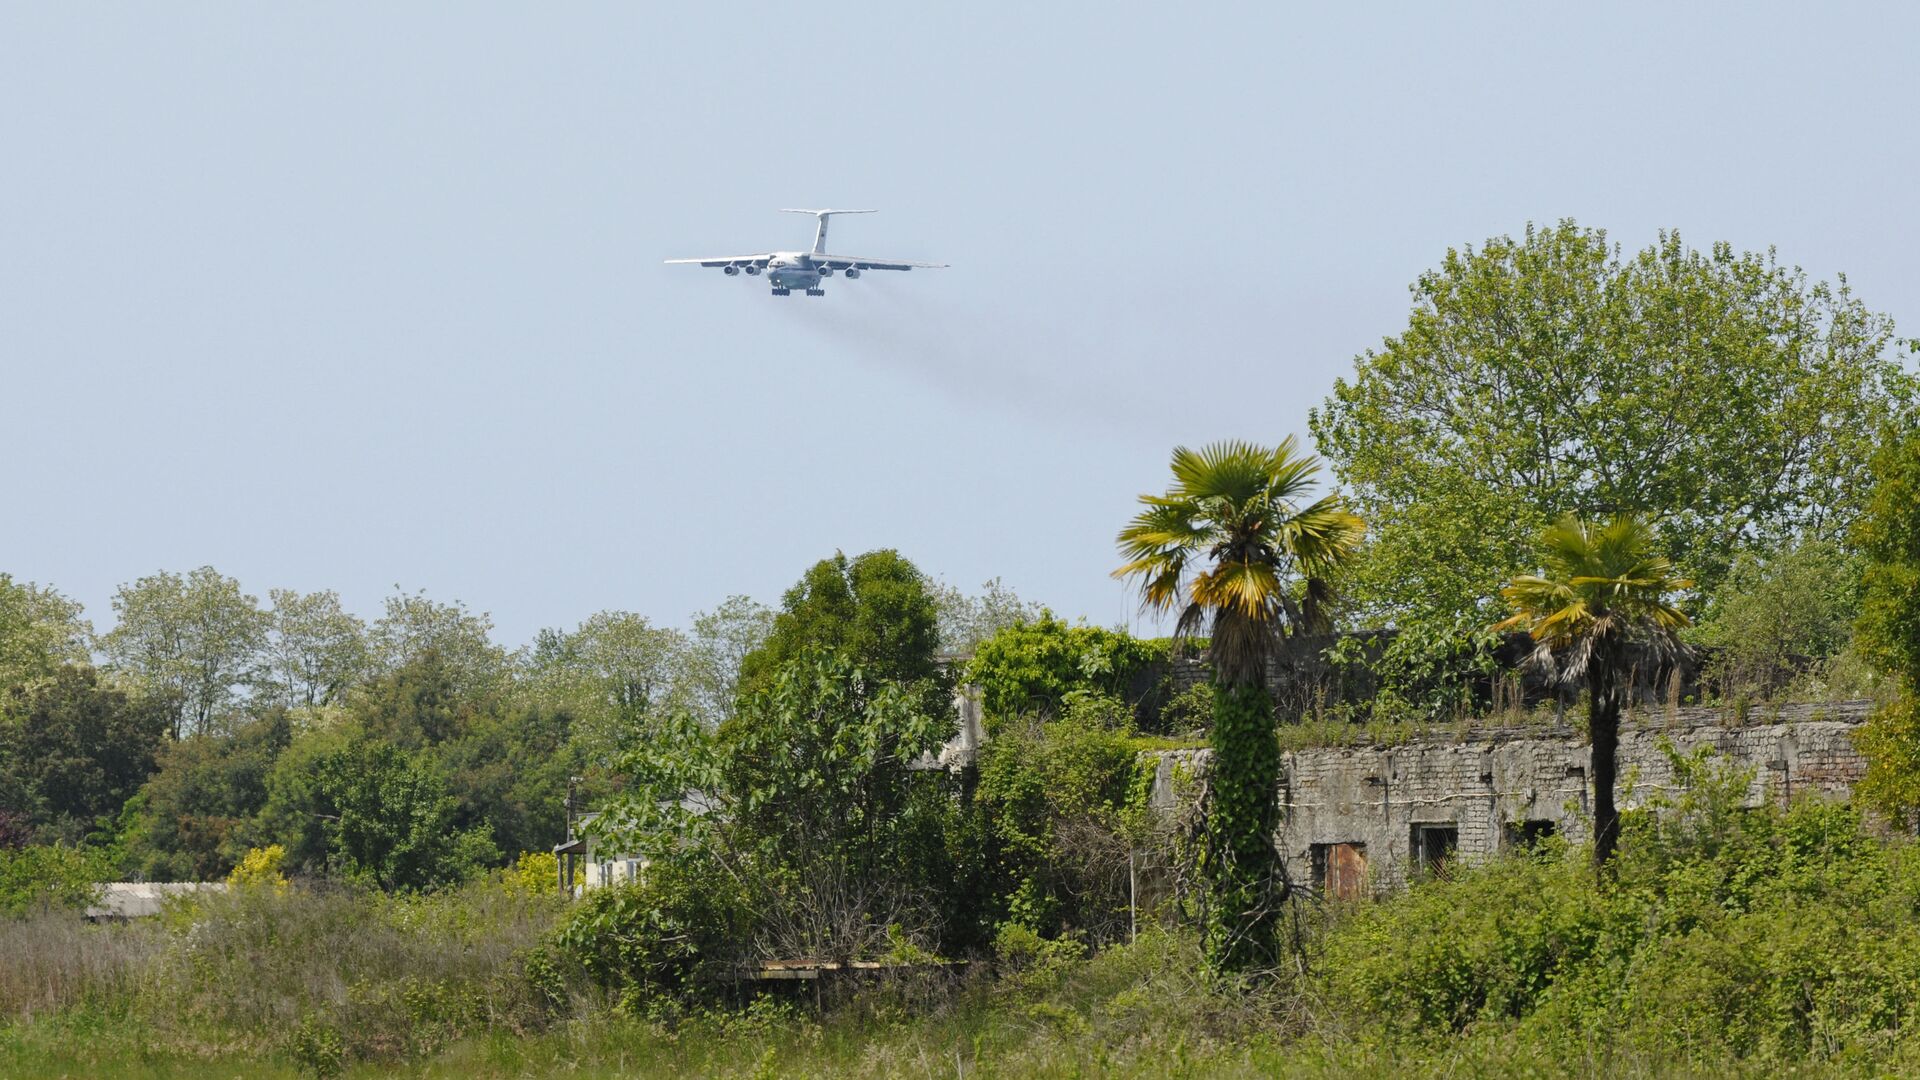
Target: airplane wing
727 260
841 262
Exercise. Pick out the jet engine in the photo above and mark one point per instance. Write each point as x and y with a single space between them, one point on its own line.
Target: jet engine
753 271
826 271
853 271
730 271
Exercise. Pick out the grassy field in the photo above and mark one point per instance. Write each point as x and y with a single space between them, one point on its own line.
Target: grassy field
1143 1010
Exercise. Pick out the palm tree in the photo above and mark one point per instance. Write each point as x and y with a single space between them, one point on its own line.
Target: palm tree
1600 606
1232 550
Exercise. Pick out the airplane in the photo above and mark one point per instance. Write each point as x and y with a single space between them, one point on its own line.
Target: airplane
790 270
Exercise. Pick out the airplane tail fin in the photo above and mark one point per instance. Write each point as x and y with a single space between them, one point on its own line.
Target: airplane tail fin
820 236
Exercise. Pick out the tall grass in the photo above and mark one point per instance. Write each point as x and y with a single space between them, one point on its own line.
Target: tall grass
55 961
322 975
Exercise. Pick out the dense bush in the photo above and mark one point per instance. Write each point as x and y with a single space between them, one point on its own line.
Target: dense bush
1783 616
52 877
676 934
1777 934
1056 796
73 749
1030 667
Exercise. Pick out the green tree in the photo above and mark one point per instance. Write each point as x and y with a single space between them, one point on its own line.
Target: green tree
196 815
193 642
966 621
315 649
508 773
1720 397
73 750
505 761
418 704
1889 629
809 802
1603 603
1230 547
368 811
414 623
722 640
877 608
39 631
1781 615
614 672
52 877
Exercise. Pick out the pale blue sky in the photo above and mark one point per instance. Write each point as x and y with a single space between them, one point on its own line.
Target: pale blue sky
355 295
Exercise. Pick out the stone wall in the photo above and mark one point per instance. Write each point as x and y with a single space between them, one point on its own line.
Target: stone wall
1468 797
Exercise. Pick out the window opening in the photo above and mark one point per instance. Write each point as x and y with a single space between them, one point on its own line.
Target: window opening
1433 847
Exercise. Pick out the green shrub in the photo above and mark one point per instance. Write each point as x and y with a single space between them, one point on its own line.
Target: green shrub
54 877
676 931
1031 667
1054 794
1774 934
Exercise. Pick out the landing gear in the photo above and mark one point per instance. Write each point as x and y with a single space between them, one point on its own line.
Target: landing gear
782 292
816 292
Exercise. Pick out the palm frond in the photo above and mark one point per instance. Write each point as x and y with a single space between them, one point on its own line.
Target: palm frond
1602 586
1226 541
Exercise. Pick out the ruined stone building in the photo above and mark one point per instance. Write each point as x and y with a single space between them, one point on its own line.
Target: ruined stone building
1363 819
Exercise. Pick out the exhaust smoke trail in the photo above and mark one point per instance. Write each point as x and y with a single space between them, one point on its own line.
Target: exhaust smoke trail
1003 361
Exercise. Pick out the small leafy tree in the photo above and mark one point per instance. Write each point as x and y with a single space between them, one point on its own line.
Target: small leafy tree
259 868
808 803
54 877
1232 549
1603 601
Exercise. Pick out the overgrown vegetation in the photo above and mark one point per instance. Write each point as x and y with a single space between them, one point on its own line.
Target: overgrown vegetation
1735 942
1890 627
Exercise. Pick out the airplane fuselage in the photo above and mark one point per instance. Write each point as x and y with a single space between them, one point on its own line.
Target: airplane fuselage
794 270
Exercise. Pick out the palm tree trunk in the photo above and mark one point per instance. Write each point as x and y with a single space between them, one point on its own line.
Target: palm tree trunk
1603 712
1243 918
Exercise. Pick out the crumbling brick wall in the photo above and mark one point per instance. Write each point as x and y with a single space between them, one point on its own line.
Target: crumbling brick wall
1495 787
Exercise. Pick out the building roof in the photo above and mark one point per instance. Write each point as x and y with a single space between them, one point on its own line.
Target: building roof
140 899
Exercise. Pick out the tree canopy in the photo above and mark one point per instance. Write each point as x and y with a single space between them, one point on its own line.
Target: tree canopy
193 640
1720 396
39 631
877 608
